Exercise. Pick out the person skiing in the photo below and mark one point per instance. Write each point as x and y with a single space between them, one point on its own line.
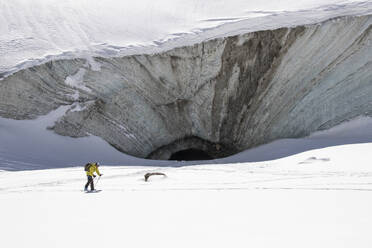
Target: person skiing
90 169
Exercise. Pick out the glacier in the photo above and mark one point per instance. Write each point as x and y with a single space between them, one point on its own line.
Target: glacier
119 81
234 84
34 32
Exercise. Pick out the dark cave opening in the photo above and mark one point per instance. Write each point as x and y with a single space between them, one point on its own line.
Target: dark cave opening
190 155
192 148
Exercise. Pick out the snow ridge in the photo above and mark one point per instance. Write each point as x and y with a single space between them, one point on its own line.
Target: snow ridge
49 30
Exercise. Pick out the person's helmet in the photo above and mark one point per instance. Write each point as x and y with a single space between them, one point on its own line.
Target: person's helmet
97 164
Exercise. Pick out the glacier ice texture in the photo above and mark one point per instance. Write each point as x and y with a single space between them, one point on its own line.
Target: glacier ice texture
222 96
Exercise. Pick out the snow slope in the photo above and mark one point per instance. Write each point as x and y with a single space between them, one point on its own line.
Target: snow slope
28 145
320 198
358 130
34 31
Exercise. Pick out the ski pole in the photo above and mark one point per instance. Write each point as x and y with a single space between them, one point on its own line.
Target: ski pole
97 181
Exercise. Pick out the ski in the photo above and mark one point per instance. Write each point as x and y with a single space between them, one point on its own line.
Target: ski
93 191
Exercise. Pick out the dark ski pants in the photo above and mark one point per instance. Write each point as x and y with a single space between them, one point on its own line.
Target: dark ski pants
90 181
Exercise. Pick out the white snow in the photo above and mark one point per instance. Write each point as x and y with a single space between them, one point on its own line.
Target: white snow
309 192
325 202
76 107
27 144
316 198
32 32
358 130
77 80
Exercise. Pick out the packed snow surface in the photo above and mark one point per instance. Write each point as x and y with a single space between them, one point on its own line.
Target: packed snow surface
317 198
34 31
320 198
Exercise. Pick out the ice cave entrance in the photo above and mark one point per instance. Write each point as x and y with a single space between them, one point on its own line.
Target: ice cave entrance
190 155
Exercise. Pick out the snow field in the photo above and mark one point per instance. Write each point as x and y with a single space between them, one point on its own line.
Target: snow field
320 198
32 32
238 218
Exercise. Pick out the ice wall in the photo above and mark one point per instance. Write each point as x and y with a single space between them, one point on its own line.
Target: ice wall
221 96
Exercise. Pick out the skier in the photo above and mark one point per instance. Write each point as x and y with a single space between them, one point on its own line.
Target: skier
90 168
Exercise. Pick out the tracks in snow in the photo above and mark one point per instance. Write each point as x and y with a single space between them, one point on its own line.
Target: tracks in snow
193 178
